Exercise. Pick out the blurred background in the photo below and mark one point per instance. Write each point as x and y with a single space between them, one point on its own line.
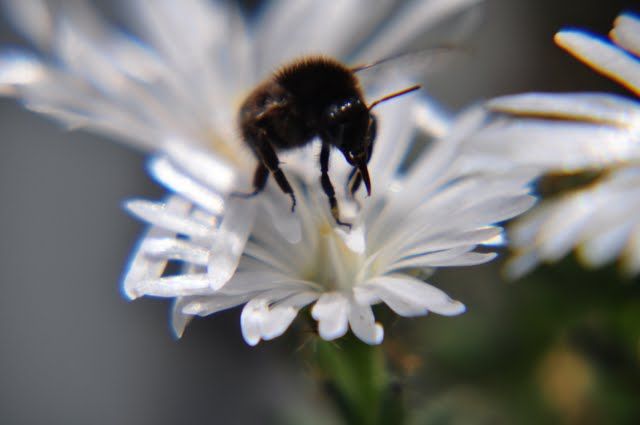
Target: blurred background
560 346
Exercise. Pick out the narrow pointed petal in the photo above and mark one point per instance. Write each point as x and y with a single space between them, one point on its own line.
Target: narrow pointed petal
179 320
228 244
159 215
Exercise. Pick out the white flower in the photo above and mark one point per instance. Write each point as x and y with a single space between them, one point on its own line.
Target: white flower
418 219
592 131
178 91
178 97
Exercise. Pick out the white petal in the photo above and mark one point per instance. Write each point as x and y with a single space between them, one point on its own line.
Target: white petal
561 146
18 68
288 28
401 305
448 258
354 239
159 215
204 166
174 179
564 226
520 264
276 321
210 304
174 286
32 18
231 237
363 323
279 210
251 319
416 291
430 117
331 313
176 249
179 320
601 108
453 240
602 56
626 33
299 300
141 267
607 245
261 280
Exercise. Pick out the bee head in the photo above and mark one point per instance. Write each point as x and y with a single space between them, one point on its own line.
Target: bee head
352 129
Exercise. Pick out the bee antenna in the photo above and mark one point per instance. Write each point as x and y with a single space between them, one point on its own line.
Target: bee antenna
392 95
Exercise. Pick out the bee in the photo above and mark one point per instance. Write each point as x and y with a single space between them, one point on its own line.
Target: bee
311 97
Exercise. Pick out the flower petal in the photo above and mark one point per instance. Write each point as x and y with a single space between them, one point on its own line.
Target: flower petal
141 267
204 166
176 180
251 320
159 215
331 313
363 323
600 108
179 320
626 33
602 56
230 240
176 249
174 286
418 292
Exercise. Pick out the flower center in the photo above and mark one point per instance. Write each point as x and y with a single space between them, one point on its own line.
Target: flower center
335 266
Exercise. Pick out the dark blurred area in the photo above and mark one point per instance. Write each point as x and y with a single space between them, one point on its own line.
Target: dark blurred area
561 346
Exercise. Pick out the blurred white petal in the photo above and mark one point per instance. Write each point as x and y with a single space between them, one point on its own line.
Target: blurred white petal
602 56
32 18
601 108
176 180
626 33
363 323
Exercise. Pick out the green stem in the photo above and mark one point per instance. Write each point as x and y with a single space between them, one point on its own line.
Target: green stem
357 380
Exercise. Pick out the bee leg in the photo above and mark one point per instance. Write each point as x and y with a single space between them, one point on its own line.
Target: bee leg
270 160
328 187
260 177
355 179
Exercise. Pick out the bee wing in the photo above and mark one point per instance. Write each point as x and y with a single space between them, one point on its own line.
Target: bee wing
412 66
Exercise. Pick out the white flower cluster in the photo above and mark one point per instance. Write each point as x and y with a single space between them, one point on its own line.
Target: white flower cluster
591 131
177 95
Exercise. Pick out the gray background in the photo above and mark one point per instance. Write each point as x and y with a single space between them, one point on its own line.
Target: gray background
74 351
